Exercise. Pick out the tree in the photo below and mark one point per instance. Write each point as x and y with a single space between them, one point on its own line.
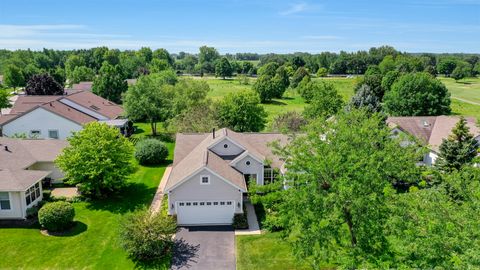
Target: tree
365 99
417 94
389 79
223 68
268 69
158 65
13 77
163 54
110 83
43 84
241 111
146 54
197 118
298 76
322 72
147 236
189 93
267 87
112 57
446 65
58 74
150 99
72 62
206 59
462 70
387 64
98 158
459 149
339 174
325 101
30 70
82 74
4 100
291 121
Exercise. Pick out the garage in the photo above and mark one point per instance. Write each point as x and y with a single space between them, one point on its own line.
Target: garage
205 212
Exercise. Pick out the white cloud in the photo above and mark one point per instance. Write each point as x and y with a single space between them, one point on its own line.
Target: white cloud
295 8
314 37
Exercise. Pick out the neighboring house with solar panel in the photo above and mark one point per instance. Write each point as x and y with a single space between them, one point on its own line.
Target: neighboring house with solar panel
211 172
430 130
56 117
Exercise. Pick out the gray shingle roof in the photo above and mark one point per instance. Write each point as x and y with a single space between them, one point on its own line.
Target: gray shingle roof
192 153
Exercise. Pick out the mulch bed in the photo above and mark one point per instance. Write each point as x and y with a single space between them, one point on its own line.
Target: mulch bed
19 223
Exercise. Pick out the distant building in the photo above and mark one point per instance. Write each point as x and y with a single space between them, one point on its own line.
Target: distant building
56 117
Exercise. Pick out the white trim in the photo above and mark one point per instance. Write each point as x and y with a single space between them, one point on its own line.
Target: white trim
198 170
9 202
201 179
242 155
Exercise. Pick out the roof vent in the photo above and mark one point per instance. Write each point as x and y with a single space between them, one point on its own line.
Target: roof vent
425 123
6 149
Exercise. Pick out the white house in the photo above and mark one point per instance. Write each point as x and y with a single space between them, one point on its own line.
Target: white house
23 166
56 117
211 173
430 130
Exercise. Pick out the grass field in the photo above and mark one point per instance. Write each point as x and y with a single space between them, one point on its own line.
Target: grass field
265 252
94 243
466 89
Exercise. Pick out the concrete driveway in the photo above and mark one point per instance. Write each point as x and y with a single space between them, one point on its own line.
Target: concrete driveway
204 248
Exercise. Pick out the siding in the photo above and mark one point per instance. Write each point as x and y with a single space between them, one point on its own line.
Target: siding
43 120
48 166
16 211
255 167
192 190
231 150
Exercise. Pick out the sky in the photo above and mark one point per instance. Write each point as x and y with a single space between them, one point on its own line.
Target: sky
263 26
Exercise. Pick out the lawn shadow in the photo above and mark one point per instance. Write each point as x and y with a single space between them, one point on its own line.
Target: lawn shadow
78 228
156 264
129 198
275 102
467 83
138 130
184 254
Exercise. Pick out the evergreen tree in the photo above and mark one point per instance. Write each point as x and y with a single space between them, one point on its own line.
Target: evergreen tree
459 149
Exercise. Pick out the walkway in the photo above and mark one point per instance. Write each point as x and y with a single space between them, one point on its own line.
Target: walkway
253 227
157 200
466 101
67 192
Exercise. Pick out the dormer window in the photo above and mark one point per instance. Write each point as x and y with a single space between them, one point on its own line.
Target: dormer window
204 180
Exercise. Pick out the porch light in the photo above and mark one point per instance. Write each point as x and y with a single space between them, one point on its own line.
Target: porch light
172 206
238 204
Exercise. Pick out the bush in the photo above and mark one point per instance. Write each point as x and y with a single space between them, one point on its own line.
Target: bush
240 221
150 152
56 216
47 194
147 237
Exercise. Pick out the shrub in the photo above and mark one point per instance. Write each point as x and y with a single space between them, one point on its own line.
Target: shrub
150 152
240 221
47 194
147 237
56 216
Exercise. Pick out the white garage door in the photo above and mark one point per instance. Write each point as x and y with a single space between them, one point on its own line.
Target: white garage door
205 212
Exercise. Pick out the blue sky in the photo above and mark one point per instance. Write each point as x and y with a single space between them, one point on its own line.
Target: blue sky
243 25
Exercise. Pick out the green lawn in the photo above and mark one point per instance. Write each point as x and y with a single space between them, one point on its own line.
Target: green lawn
266 252
466 89
94 244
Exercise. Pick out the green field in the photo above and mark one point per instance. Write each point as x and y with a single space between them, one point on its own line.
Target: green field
466 89
94 243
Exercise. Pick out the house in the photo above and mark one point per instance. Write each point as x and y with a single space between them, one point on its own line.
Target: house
430 130
211 173
23 166
56 117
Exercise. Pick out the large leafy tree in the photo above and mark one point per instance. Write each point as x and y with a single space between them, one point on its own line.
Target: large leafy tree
82 74
150 99
272 83
298 76
163 54
72 62
325 101
417 94
206 59
446 65
223 68
43 84
339 175
459 149
241 111
110 83
13 77
98 158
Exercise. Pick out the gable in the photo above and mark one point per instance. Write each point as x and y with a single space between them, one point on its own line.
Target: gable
226 147
193 181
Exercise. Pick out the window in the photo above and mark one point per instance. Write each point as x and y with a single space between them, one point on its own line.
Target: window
32 194
222 203
188 204
195 203
5 201
202 203
229 203
204 179
225 146
35 133
248 162
181 204
269 175
215 203
53 134
209 203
